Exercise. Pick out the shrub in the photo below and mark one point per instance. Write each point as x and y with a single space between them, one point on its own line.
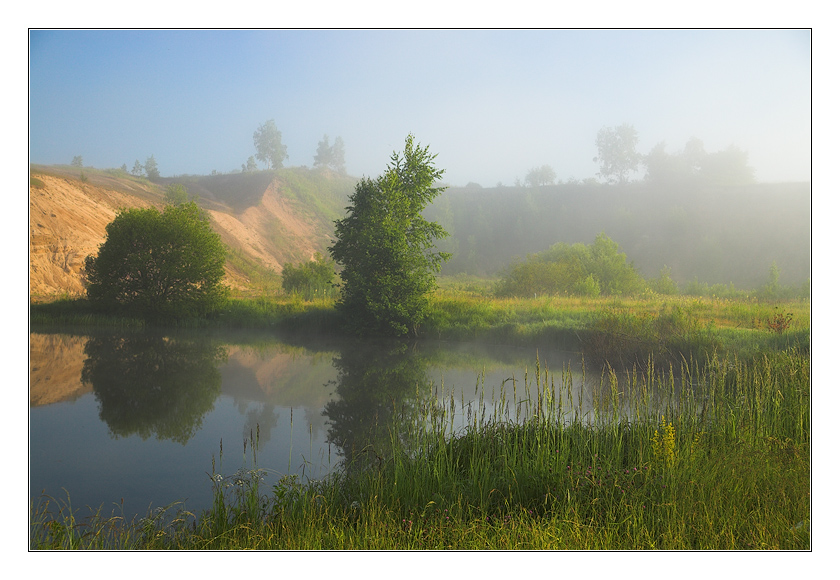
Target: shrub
158 264
310 279
574 269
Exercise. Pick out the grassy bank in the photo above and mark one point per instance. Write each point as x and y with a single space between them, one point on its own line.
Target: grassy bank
717 458
667 325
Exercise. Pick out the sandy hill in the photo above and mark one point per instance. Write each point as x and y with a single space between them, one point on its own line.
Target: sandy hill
266 219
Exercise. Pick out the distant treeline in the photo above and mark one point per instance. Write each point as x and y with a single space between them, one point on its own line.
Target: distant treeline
710 234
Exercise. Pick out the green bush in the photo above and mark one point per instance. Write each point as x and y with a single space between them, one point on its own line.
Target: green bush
310 279
599 268
664 284
154 264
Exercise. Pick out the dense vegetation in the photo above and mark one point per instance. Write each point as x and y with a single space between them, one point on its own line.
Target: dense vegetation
716 456
312 279
715 234
700 437
386 248
158 264
599 268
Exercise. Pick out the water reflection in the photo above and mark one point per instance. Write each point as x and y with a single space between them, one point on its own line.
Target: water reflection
376 388
153 385
320 405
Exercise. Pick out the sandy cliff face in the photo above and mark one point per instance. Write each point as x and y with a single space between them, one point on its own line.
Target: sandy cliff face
67 220
259 230
56 372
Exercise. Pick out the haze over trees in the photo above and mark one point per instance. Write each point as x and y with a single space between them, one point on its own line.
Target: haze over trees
617 153
151 168
542 175
387 248
269 144
250 165
586 270
722 168
330 156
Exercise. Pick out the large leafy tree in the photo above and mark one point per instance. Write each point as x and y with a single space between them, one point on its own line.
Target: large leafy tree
269 144
386 247
154 263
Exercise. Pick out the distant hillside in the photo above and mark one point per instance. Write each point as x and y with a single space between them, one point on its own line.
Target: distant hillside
716 234
266 219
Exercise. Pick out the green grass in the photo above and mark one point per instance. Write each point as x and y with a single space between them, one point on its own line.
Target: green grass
724 465
616 330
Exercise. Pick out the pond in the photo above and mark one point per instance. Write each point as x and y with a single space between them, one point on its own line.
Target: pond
140 420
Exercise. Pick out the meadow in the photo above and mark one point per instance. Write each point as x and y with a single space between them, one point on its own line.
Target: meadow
699 440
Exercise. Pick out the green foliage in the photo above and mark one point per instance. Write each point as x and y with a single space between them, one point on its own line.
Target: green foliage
771 289
664 284
573 269
77 161
137 170
176 194
158 264
711 458
386 246
269 145
310 279
588 287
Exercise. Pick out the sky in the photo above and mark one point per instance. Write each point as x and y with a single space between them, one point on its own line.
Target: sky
492 104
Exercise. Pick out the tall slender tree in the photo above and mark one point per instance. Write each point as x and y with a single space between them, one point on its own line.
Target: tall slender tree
386 246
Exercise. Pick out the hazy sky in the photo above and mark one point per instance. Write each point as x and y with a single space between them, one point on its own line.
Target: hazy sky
491 103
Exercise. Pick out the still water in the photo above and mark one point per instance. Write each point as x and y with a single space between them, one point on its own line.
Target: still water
135 421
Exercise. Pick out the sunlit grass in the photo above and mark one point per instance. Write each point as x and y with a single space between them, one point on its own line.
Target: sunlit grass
616 329
712 456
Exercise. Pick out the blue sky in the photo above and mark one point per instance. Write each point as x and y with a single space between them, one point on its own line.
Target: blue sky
491 103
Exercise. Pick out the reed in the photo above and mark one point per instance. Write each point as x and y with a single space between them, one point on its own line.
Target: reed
711 454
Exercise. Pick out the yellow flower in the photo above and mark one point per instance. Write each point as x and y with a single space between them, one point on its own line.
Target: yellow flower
664 444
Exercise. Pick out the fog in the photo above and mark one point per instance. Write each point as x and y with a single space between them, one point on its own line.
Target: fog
492 104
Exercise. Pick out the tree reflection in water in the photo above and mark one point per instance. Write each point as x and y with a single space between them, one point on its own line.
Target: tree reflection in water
376 387
153 385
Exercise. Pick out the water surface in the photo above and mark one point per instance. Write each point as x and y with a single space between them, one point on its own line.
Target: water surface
140 419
